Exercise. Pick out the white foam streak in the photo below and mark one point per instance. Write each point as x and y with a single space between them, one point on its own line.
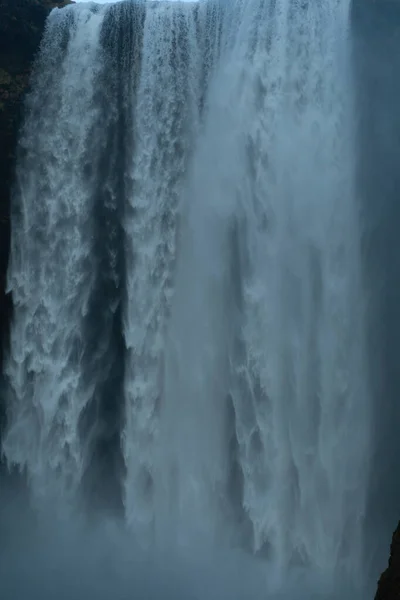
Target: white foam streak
50 267
167 114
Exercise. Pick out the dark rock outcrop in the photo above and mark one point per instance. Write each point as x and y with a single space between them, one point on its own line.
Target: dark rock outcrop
21 28
389 582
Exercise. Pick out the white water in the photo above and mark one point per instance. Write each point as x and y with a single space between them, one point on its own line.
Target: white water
167 120
50 271
185 256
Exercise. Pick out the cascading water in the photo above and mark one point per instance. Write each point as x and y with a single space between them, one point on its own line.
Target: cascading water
167 109
186 277
51 271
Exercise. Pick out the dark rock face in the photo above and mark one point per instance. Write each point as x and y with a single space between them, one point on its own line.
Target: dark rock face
389 582
21 28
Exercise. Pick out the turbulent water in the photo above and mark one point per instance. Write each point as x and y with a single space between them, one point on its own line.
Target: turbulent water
188 336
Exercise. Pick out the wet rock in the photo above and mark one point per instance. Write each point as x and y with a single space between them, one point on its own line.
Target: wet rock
389 582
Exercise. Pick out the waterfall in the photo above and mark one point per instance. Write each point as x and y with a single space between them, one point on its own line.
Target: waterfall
185 266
